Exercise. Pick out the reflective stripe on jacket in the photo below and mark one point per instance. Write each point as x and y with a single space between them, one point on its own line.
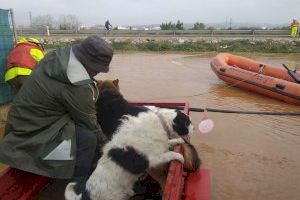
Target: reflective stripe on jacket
22 60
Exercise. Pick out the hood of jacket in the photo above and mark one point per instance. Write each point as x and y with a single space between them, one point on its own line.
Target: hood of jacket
63 66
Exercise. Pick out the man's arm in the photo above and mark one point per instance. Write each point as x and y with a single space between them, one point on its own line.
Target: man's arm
81 107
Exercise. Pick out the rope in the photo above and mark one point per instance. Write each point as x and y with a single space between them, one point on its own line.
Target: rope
238 111
261 71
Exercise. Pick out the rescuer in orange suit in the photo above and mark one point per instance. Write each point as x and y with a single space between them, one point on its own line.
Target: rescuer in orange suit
22 60
294 28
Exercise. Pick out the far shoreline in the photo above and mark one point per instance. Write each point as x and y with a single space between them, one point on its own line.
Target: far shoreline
191 46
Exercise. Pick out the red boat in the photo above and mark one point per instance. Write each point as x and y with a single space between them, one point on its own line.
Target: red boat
276 82
180 185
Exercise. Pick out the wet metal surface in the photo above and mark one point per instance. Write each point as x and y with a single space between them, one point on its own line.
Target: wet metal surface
250 156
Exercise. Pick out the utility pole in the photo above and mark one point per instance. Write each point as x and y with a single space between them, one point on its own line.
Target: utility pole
13 24
230 23
30 19
226 26
48 32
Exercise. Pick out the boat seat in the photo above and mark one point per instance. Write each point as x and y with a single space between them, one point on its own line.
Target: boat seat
292 73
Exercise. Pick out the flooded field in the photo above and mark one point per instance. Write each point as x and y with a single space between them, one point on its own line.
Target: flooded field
250 156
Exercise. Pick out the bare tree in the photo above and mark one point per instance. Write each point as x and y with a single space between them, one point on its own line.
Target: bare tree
41 21
74 22
68 22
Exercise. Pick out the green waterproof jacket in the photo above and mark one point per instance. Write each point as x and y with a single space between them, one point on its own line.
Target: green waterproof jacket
40 134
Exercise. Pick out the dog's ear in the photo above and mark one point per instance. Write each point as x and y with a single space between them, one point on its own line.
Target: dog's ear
192 161
99 82
181 123
116 82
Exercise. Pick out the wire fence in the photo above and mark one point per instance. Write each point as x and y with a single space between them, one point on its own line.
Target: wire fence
6 44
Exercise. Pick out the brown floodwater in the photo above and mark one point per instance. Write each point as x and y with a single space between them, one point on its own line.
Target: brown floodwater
249 156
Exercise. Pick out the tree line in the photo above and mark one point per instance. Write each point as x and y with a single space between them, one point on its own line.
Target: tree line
179 26
71 22
63 22
201 26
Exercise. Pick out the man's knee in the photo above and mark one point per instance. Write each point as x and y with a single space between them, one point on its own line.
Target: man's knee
86 151
85 139
92 140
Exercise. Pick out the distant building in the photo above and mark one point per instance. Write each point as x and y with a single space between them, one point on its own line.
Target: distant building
156 28
84 27
122 28
98 26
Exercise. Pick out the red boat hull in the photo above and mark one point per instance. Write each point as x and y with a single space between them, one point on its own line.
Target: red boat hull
20 185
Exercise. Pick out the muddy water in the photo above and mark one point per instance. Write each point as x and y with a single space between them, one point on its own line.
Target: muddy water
250 156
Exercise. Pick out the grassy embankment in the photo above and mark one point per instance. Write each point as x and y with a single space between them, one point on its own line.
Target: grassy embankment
267 46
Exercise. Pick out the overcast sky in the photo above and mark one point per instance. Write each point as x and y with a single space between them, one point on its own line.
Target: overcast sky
139 12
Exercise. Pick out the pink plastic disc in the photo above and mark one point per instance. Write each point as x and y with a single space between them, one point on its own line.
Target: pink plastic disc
206 126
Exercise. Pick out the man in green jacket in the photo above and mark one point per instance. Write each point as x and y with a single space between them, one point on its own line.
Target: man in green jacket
52 127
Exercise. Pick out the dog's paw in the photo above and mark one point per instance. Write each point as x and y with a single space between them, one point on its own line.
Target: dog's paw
131 193
176 141
179 157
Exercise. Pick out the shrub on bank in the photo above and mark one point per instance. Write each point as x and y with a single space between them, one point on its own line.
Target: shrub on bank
266 46
208 46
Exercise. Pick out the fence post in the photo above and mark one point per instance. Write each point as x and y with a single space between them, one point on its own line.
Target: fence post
13 24
139 35
48 32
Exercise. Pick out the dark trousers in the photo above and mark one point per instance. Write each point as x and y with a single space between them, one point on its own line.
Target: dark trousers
86 152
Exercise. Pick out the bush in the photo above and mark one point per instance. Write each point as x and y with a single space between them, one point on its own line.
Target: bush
268 46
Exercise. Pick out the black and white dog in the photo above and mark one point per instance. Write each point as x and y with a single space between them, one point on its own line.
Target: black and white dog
140 140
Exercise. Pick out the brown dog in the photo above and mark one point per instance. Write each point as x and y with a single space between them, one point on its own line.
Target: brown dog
111 85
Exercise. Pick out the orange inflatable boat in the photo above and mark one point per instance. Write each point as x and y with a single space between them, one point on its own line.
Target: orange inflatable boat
273 81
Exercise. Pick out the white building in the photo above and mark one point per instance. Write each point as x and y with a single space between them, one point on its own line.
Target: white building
122 28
